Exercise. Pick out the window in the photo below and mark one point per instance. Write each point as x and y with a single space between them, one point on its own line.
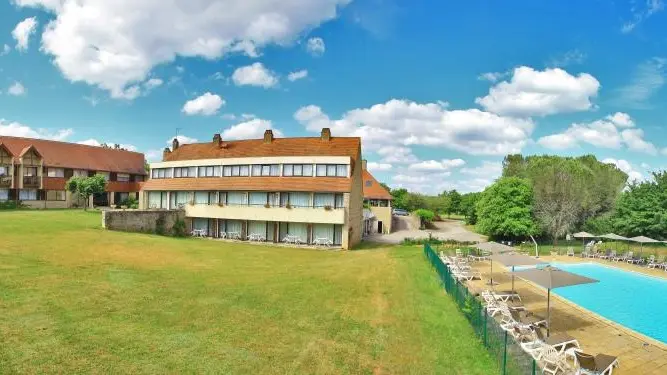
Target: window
185 172
201 197
369 183
257 199
266 170
4 171
179 199
236 198
209 171
4 195
55 172
55 195
340 203
324 200
161 173
79 173
331 170
28 195
29 171
157 199
123 177
236 171
298 170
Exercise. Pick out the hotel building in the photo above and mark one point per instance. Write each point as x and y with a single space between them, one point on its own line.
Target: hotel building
378 201
34 171
270 189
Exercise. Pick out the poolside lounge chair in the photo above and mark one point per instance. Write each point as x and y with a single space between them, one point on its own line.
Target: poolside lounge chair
605 255
553 361
621 258
630 258
600 364
612 255
651 263
570 252
528 319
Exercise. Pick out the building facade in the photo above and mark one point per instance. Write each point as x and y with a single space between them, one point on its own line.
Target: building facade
377 201
35 171
270 189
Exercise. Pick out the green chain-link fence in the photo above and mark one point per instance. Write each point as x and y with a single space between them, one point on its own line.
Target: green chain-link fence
511 358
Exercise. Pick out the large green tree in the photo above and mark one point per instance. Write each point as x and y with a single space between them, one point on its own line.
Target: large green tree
642 209
505 209
468 207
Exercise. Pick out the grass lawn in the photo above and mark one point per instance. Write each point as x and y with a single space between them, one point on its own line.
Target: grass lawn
78 299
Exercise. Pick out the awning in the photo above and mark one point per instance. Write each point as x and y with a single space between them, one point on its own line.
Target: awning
584 235
494 247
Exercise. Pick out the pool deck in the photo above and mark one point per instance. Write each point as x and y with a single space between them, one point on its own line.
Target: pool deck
638 354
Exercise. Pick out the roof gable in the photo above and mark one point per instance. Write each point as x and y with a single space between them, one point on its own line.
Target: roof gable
76 156
373 189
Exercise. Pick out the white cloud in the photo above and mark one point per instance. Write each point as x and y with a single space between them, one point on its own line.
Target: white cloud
625 166
634 140
405 123
539 93
153 83
96 143
15 129
217 76
206 105
410 179
16 89
113 44
5 50
92 100
648 79
315 46
434 165
182 140
622 120
23 31
252 129
601 133
396 155
572 57
229 116
153 155
254 75
128 93
295 76
378 167
640 14
492 76
488 169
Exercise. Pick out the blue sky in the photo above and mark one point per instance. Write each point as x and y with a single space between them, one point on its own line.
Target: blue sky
440 91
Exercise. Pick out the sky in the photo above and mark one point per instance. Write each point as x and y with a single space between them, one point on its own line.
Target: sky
439 91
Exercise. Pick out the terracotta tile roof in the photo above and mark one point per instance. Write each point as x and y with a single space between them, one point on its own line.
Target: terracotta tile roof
76 156
307 146
372 188
323 184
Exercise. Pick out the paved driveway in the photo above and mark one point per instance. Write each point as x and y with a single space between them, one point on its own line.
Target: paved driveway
445 230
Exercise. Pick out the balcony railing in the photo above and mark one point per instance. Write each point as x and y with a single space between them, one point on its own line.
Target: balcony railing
30 181
5 181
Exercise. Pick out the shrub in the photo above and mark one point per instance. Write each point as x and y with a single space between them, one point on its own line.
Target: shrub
159 226
425 216
178 230
11 205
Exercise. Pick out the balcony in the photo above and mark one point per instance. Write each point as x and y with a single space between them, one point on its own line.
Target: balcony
5 181
318 215
30 181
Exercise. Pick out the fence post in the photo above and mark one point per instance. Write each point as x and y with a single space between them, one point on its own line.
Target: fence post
485 319
534 367
505 356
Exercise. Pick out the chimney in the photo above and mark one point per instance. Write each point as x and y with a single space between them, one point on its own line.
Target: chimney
326 134
268 136
165 153
217 139
363 164
174 144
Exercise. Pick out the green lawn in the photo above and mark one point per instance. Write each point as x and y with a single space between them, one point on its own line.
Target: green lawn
78 299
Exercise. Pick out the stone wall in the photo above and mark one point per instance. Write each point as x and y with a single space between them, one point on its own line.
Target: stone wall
140 220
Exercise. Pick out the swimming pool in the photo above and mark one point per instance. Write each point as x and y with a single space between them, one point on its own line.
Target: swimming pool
633 300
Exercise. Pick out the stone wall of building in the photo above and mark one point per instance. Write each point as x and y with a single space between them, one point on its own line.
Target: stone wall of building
145 221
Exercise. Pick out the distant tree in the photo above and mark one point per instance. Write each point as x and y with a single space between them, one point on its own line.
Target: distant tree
414 201
468 207
84 187
642 209
505 209
399 196
385 186
454 202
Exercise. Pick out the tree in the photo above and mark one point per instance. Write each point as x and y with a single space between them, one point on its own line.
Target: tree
399 196
642 209
84 187
558 195
425 216
454 202
468 207
505 209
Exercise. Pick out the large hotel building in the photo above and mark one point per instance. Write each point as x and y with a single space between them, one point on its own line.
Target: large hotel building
305 189
34 172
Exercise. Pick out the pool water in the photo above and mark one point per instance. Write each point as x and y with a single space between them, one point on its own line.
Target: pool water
633 300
